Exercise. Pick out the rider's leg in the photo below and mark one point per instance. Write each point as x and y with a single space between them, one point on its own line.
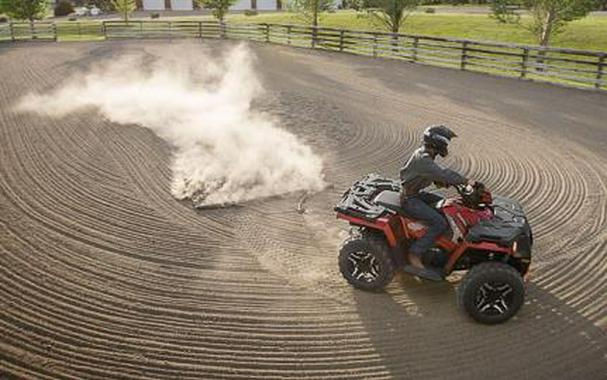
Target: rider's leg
435 222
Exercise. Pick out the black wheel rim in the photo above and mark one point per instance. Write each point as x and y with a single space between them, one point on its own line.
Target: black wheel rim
494 298
363 266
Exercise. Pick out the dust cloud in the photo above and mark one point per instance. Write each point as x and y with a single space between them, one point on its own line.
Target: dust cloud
225 152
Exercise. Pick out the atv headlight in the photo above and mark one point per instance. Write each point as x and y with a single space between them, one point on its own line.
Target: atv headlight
521 247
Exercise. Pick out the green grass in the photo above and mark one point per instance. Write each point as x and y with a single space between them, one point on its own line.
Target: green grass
589 33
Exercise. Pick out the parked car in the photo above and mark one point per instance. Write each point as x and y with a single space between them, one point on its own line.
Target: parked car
82 11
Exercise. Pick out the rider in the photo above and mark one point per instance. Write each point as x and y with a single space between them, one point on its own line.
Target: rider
418 173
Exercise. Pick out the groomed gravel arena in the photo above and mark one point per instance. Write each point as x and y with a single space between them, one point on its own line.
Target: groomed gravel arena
103 274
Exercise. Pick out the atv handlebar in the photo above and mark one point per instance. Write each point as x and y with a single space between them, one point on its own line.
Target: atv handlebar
472 195
464 190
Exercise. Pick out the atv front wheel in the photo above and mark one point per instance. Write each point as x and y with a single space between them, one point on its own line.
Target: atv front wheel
491 293
365 262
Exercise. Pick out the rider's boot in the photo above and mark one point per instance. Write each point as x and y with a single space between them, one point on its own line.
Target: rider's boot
416 268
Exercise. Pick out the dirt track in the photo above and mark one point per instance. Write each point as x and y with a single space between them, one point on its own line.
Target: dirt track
105 275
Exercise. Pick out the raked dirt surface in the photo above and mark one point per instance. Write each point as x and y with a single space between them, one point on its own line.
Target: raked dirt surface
104 275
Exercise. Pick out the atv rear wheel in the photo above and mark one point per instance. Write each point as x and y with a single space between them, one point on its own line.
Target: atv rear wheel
365 262
491 292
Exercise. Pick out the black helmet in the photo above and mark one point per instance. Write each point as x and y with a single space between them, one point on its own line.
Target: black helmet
438 137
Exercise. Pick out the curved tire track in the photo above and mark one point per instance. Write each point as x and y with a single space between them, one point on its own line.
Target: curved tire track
105 275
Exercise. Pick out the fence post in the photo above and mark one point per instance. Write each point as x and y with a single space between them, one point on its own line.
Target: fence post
374 45
200 29
141 29
289 34
314 34
524 63
104 28
341 40
599 71
222 29
55 31
33 30
266 32
462 65
540 59
415 46
394 42
12 29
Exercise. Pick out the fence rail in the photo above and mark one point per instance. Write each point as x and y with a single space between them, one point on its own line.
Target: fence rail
572 67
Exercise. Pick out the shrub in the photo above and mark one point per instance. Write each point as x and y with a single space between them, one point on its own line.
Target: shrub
430 10
250 12
154 15
63 8
3 19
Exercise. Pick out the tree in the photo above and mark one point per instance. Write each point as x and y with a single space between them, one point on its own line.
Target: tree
24 9
311 10
220 7
391 14
549 17
124 7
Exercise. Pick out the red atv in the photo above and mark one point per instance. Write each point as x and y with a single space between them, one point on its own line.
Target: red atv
488 236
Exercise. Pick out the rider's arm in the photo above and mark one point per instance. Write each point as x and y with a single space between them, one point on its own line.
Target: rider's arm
434 172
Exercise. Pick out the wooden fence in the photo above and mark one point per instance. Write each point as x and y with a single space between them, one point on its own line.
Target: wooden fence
572 67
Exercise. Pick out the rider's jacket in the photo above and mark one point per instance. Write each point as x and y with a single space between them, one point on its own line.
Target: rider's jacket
421 171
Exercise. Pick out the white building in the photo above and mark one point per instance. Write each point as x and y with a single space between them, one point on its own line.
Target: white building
188 5
153 5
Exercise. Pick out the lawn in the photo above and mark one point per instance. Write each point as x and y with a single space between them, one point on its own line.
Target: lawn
589 33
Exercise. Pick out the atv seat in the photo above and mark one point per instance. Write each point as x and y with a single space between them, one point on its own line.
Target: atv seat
391 200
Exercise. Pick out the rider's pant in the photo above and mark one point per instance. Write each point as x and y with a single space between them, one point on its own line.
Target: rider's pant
416 206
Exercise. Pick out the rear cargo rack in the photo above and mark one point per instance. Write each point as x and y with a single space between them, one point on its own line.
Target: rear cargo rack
358 200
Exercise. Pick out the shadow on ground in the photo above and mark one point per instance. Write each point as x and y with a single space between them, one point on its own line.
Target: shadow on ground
421 332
